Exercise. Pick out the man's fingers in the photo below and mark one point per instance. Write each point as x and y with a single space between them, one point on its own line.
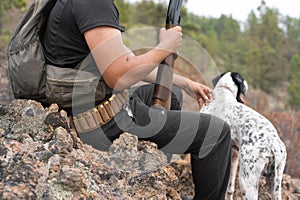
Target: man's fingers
204 96
177 28
200 103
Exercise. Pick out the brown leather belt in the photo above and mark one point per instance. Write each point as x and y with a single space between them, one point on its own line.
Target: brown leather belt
101 114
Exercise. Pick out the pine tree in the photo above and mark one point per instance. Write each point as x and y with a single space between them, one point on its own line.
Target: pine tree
294 84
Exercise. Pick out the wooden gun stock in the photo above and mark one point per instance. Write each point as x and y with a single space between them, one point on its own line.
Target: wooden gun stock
163 85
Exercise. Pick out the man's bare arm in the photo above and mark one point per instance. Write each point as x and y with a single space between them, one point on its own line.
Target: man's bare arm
119 66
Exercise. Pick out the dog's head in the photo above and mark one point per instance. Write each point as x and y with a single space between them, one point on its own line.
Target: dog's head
233 81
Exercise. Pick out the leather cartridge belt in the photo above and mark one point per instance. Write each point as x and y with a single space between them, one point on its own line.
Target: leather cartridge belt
101 114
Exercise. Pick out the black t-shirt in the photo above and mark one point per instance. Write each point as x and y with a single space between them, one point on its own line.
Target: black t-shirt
63 39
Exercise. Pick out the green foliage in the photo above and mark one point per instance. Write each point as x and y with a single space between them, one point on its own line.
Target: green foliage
4 38
261 51
125 12
147 12
265 58
5 5
8 4
294 83
141 13
293 33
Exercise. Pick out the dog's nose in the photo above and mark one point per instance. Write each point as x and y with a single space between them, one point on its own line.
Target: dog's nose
242 99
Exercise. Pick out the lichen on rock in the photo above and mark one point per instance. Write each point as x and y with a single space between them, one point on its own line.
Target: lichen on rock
42 158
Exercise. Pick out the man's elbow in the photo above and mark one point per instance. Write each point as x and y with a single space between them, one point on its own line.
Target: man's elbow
117 84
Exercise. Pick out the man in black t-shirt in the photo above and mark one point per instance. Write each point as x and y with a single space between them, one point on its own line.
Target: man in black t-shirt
64 40
77 28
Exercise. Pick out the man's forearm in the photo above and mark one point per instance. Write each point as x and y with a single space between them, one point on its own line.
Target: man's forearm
178 80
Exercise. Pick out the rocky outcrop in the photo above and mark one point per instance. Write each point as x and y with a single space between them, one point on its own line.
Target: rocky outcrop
41 158
5 92
39 161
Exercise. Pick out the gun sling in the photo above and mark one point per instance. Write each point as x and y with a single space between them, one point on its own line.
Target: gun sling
96 117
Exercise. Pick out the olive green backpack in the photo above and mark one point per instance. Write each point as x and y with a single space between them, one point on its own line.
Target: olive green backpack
26 61
32 78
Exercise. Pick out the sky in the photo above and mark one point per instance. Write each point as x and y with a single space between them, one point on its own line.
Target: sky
238 9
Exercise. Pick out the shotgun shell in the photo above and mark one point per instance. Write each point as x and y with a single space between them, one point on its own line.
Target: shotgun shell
77 124
103 113
118 102
97 117
121 98
83 123
113 104
125 95
109 109
90 120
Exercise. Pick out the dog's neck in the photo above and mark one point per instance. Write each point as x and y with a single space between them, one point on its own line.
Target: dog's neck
223 91
226 87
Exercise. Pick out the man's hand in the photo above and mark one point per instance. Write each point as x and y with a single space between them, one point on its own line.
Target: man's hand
170 39
203 94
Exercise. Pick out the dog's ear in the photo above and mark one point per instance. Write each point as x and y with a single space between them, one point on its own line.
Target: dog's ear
241 84
216 79
239 81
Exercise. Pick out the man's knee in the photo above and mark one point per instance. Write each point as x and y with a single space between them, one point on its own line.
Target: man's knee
221 129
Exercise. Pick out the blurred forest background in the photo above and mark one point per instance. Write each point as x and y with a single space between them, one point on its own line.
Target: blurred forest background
265 50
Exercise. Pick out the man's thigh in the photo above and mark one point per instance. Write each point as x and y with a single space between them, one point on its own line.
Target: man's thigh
145 93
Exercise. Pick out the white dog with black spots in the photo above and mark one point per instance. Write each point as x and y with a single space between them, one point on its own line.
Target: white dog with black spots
259 150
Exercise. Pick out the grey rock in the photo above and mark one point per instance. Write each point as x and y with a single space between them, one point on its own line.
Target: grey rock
42 158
